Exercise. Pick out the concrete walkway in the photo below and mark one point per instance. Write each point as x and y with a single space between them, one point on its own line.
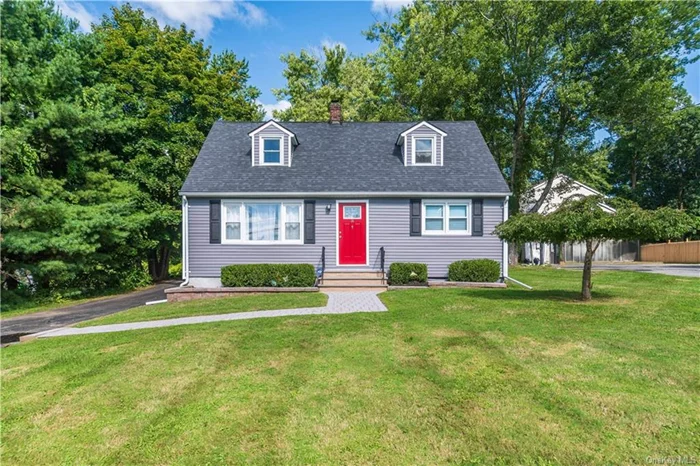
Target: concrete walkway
346 302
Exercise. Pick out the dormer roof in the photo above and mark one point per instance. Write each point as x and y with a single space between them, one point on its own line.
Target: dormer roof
270 123
402 136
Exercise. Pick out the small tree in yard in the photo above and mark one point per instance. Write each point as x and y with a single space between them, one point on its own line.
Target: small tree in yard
582 220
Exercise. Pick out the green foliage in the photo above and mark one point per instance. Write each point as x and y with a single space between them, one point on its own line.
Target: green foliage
69 221
540 77
275 275
584 220
476 270
314 81
408 273
173 100
99 131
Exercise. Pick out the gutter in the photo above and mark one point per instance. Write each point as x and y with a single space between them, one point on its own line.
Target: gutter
504 258
322 194
185 243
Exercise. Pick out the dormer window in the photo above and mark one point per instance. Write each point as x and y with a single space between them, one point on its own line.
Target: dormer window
272 151
423 151
423 145
272 144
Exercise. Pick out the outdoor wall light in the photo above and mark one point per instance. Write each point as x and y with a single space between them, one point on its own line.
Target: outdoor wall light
328 209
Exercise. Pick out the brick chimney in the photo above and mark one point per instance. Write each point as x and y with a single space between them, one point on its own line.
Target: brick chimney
336 113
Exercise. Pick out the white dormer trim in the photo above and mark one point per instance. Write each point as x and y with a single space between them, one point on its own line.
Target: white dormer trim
276 125
402 136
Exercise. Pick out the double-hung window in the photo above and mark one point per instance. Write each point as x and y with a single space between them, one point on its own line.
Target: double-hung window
262 222
272 151
424 151
446 217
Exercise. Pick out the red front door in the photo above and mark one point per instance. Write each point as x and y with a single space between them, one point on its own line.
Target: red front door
352 233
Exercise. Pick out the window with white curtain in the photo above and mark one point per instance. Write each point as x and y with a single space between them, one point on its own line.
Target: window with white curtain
446 217
262 222
424 150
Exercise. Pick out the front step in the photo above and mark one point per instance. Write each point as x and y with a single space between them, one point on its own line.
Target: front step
353 281
354 275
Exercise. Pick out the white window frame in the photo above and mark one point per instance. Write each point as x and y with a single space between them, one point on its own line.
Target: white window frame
446 217
433 160
244 221
262 149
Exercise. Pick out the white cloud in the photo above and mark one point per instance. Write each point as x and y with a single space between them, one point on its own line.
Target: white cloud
389 6
329 44
317 50
76 10
201 15
269 108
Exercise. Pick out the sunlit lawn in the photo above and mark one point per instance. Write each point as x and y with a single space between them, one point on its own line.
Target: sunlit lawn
446 377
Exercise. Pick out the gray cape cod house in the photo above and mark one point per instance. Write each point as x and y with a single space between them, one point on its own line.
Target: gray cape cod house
343 196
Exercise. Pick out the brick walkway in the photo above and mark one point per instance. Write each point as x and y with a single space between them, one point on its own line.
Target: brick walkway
338 303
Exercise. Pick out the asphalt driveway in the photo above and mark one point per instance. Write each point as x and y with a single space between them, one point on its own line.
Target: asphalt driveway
679 270
14 327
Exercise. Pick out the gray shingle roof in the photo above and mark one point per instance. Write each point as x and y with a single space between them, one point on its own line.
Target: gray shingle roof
358 158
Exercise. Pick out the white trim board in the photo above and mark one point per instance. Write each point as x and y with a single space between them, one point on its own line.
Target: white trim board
344 194
337 231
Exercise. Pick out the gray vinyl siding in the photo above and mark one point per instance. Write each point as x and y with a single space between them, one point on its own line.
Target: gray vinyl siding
388 227
423 132
271 131
207 259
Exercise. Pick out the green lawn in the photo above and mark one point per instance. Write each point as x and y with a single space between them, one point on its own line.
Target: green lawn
446 377
256 302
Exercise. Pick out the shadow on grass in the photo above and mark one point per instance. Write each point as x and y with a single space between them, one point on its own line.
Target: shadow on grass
534 295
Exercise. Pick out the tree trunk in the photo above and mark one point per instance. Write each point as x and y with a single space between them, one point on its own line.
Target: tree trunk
159 262
587 269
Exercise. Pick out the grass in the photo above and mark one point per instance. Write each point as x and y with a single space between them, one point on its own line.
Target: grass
449 376
252 302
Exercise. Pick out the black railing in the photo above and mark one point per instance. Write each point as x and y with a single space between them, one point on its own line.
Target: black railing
381 262
323 262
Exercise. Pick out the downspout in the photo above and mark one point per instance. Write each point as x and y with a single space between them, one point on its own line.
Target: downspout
504 259
185 243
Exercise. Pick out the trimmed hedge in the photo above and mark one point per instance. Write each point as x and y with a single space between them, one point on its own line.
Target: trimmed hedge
281 275
408 273
477 270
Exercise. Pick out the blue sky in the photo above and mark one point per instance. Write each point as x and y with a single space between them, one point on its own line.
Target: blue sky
262 31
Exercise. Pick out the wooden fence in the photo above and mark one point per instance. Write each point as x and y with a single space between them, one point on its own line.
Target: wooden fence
687 252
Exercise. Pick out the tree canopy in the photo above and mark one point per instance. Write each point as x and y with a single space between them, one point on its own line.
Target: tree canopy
583 221
99 131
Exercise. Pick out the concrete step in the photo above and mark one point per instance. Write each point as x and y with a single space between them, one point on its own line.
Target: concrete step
352 275
352 288
352 281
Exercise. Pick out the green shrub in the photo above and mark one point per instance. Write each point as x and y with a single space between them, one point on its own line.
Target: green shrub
282 275
408 273
477 270
175 270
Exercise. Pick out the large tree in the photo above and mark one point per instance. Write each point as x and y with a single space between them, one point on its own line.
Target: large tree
539 77
68 219
583 220
314 80
174 88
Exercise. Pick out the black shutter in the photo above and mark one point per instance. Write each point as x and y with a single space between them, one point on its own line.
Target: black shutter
477 217
309 222
215 222
415 217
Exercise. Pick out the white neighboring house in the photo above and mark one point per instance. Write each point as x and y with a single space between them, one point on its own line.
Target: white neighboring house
563 189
